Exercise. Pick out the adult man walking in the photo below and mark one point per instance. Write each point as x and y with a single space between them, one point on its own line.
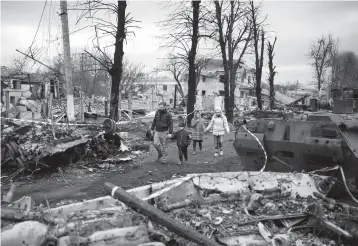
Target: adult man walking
163 126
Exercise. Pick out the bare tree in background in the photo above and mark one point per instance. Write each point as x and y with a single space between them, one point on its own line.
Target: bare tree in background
234 35
179 69
321 53
133 78
259 47
119 31
345 70
201 63
17 66
272 72
182 27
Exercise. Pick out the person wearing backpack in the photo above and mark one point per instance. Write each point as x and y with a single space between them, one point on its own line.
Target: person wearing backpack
219 125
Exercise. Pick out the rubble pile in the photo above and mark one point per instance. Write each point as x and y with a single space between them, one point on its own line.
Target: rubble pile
283 216
26 109
206 210
34 147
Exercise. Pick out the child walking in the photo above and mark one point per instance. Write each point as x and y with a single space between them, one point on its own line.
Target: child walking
198 131
219 125
183 138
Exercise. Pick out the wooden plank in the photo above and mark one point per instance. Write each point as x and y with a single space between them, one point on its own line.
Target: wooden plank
158 216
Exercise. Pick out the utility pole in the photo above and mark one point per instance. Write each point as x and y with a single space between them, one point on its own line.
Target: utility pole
68 64
82 117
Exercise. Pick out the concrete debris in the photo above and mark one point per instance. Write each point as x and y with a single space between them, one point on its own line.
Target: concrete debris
30 147
32 105
213 206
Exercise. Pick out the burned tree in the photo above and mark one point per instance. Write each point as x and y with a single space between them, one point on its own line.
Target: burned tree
259 46
182 40
234 34
272 72
191 58
119 32
320 53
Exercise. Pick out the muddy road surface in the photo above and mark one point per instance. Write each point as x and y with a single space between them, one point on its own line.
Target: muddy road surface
76 183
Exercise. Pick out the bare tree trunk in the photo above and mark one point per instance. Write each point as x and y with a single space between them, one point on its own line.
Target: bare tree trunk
117 69
192 54
120 103
130 102
270 52
175 96
259 71
258 55
259 63
230 111
218 9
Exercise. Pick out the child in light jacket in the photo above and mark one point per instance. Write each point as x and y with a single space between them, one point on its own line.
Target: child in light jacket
198 125
220 126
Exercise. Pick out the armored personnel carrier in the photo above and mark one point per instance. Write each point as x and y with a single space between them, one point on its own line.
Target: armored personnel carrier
320 141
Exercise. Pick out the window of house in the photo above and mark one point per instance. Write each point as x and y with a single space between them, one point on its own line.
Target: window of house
16 84
204 78
203 93
12 100
221 93
165 87
222 78
171 100
241 94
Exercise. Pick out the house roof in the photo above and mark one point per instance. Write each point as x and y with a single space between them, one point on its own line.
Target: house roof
34 78
279 97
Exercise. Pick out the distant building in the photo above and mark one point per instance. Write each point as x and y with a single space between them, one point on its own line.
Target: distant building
210 90
160 89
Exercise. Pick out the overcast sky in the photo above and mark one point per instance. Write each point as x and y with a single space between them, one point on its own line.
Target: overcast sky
294 23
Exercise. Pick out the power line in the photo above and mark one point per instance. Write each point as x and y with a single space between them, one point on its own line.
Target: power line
70 33
38 26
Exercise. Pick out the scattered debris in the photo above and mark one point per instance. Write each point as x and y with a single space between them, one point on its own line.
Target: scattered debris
32 147
206 209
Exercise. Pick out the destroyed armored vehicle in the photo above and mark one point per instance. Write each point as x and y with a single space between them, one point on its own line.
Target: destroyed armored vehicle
320 141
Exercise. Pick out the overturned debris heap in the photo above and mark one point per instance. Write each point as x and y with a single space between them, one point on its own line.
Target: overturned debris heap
236 208
31 147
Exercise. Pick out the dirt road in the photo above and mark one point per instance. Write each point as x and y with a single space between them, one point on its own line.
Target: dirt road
77 184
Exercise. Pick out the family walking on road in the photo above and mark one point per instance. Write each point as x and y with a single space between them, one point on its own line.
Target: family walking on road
162 127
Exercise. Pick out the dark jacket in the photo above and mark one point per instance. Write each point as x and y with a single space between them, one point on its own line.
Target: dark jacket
163 122
183 138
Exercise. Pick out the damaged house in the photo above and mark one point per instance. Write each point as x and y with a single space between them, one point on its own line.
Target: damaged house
210 88
23 96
